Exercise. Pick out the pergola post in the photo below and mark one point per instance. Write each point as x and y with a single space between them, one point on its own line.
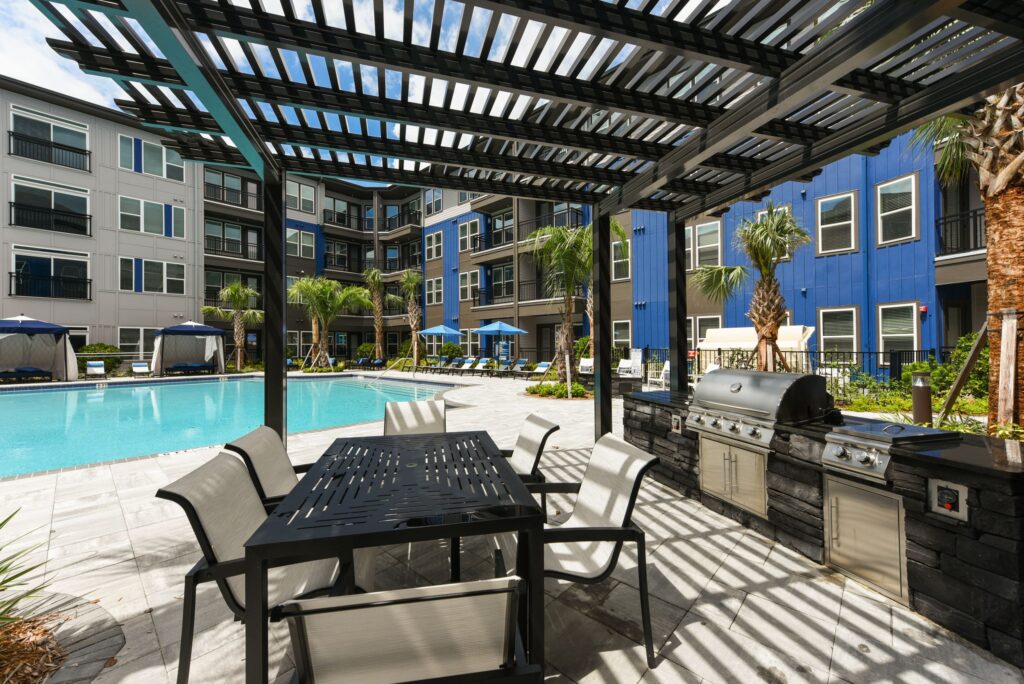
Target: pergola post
678 342
275 382
601 334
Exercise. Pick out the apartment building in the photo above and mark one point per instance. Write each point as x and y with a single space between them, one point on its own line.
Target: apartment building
100 223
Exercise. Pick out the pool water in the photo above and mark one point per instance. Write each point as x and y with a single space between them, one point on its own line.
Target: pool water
41 430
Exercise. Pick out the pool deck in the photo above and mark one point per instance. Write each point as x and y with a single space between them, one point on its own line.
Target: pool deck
728 604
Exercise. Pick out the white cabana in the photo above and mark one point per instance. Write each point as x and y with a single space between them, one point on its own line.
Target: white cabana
35 349
792 338
188 348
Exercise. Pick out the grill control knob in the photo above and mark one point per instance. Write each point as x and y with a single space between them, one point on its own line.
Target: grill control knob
733 427
698 419
715 422
866 459
753 432
843 454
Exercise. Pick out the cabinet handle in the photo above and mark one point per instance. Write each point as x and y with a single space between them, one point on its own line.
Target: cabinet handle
834 521
735 473
727 473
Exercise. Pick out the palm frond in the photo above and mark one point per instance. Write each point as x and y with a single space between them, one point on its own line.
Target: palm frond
718 283
944 134
216 312
770 239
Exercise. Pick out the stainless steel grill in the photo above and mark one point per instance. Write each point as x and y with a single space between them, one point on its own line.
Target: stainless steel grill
862 450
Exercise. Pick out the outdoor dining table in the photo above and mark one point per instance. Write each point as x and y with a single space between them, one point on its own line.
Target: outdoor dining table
380 491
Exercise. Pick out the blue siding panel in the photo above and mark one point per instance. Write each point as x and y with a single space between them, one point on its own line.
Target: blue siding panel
138 154
649 272
138 275
168 221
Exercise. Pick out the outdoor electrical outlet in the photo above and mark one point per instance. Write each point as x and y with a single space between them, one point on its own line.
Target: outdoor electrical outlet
677 424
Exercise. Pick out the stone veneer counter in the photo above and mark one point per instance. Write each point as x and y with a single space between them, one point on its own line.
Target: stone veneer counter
966 576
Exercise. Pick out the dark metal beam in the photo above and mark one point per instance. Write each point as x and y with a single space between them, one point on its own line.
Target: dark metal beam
884 25
275 386
1001 17
601 335
678 342
1000 71
687 40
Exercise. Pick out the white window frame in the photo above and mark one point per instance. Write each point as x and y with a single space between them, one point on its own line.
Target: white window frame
822 337
469 284
51 254
466 241
164 277
142 338
300 239
695 328
697 248
852 222
435 242
298 196
163 159
629 334
627 261
914 232
24 112
51 187
432 201
434 291
688 244
470 342
882 352
465 196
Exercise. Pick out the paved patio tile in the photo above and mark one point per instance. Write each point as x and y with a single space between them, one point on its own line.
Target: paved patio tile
804 638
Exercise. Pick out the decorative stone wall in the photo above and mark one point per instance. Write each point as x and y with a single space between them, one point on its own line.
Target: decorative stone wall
966 576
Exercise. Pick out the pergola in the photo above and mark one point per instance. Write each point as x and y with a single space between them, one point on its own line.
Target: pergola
683 106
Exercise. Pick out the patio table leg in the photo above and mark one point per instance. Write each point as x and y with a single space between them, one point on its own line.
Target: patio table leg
456 551
530 565
256 616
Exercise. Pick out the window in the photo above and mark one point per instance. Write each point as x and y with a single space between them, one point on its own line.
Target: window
135 154
78 337
468 196
50 206
368 213
223 237
502 285
433 345
215 281
391 343
138 341
708 243
230 189
292 343
300 196
620 334
301 244
435 294
42 272
897 212
469 283
49 139
467 233
336 254
151 217
432 201
620 260
838 328
306 338
836 224
501 229
145 275
688 233
434 245
704 323
897 328
336 211
470 342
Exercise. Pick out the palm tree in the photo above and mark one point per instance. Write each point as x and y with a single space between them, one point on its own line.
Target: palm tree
567 255
324 300
237 298
379 299
992 141
765 242
411 285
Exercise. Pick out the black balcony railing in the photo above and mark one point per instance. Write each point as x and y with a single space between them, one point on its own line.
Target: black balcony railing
343 220
531 290
54 287
497 294
959 233
406 218
393 311
44 150
232 248
220 193
214 300
339 262
393 265
572 218
29 216
493 239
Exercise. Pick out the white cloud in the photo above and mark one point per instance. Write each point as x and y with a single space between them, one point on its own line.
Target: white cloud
24 55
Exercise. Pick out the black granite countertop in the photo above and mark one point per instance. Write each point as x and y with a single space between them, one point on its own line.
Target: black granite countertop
662 397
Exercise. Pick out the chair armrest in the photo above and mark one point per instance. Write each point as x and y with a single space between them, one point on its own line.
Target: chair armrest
553 535
304 467
553 487
203 572
507 453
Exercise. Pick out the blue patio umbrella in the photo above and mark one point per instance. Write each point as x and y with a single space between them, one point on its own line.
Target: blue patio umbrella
440 330
499 328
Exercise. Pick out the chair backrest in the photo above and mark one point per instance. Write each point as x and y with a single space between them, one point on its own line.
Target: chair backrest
414 417
140 366
587 365
224 511
469 363
518 365
362 360
456 361
502 366
267 460
610 484
530 444
424 633
624 367
542 367
483 362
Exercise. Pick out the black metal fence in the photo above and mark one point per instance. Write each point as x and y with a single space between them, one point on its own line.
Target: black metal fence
56 287
497 294
44 150
220 193
493 239
572 217
232 248
346 220
964 232
405 218
531 290
29 216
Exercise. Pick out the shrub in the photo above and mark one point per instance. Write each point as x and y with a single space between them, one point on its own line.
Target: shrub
557 390
581 348
450 349
405 349
365 350
944 374
110 363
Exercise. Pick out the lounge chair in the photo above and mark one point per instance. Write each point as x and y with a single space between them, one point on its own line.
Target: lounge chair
425 366
525 457
362 362
542 368
503 368
141 369
660 377
270 469
481 367
467 365
378 364
95 369
465 632
517 367
27 373
455 363
441 366
585 548
332 360
224 510
414 417
192 368
586 368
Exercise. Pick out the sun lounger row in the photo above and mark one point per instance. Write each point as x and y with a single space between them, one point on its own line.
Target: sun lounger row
473 366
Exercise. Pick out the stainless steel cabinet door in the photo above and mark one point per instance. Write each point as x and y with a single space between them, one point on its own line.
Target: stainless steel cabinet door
865 538
748 490
713 457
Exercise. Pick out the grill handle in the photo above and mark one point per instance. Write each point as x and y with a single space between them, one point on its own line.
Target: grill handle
726 460
833 522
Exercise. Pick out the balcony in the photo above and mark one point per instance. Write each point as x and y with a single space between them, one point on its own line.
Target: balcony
219 193
59 221
52 287
960 233
41 149
498 294
492 240
232 248
538 290
336 262
402 220
254 303
340 220
394 265
572 218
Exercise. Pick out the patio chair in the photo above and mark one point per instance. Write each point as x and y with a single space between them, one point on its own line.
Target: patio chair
224 510
378 364
626 369
141 368
660 377
525 457
517 367
467 365
414 417
269 466
585 548
481 366
95 369
542 368
455 362
501 369
462 632
586 368
362 361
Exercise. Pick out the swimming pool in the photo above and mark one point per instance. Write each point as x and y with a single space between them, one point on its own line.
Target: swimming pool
42 429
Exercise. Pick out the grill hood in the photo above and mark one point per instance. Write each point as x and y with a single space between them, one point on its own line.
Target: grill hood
774 397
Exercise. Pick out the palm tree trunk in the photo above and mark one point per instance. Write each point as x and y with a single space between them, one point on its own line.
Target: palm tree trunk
1004 229
414 328
563 349
238 326
590 318
378 325
314 352
767 313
